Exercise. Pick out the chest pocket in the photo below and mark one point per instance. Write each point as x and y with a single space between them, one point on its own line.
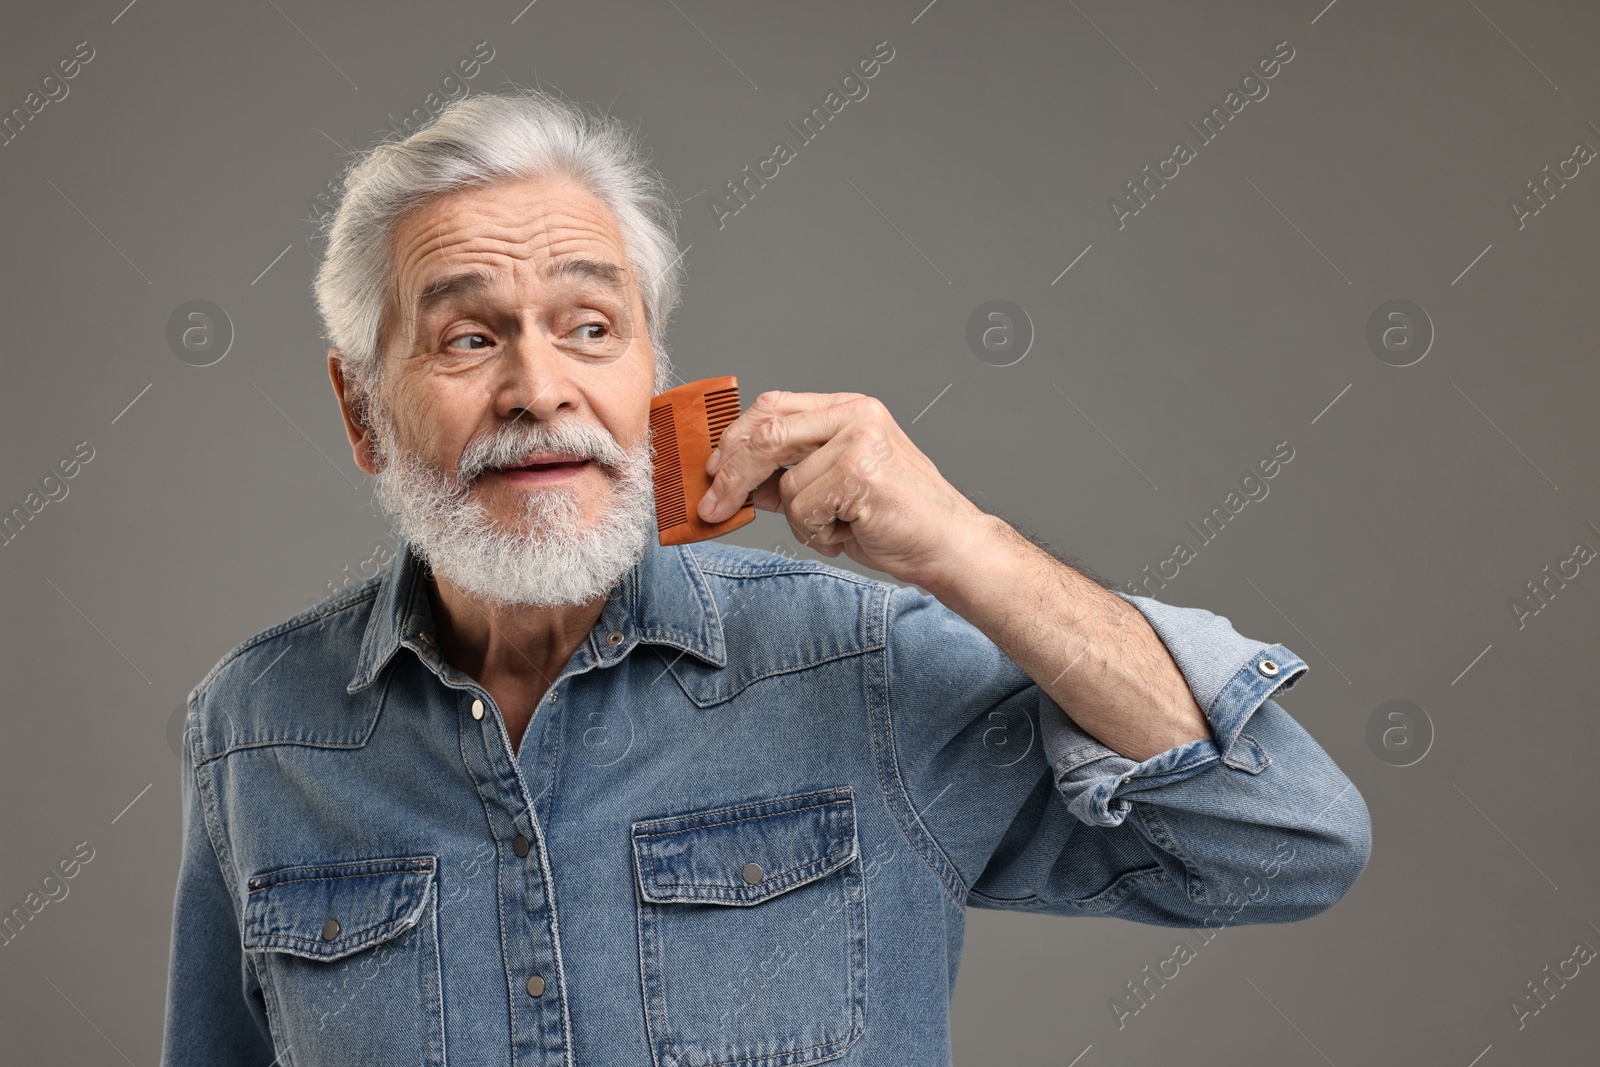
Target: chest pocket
752 932
347 955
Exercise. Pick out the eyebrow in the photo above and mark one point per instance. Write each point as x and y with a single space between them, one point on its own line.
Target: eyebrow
579 268
473 282
466 283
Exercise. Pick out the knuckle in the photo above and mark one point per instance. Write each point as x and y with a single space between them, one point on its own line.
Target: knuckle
871 405
872 439
768 435
864 457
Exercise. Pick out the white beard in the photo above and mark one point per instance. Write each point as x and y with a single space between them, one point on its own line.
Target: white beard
556 561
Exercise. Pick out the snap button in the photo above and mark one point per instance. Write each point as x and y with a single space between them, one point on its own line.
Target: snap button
477 709
330 929
614 637
520 845
752 872
1268 667
535 986
553 695
425 637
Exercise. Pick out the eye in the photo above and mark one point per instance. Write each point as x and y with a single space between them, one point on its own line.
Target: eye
600 334
482 339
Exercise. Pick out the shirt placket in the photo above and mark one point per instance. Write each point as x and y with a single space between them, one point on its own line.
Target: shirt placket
541 1027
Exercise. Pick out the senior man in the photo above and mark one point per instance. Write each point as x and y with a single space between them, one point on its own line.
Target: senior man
547 792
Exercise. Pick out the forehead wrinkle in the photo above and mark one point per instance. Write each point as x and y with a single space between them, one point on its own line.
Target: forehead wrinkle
537 229
410 262
556 226
582 266
439 236
564 238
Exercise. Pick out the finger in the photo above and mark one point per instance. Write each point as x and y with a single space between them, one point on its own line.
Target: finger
774 403
825 493
767 496
806 537
819 517
779 441
815 532
829 541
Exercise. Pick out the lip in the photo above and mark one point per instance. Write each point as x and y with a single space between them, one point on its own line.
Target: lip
553 467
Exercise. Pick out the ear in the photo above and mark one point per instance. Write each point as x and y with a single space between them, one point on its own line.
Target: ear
352 407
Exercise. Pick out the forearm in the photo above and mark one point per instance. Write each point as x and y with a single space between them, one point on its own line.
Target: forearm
1090 651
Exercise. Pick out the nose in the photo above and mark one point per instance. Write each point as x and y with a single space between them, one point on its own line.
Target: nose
533 381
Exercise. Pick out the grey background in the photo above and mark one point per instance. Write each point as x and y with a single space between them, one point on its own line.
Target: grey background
1225 317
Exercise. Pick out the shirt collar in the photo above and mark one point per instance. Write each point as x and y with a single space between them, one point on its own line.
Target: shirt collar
664 599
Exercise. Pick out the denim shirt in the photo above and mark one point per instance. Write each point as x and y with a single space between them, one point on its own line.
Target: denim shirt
741 828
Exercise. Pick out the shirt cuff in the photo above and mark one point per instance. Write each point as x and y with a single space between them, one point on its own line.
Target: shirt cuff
1230 677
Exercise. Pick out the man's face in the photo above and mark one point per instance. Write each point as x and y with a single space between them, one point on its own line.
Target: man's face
512 418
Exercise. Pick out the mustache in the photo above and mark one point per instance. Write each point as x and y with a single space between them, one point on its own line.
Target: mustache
512 442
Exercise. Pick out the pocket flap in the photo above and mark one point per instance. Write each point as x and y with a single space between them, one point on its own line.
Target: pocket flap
330 910
746 854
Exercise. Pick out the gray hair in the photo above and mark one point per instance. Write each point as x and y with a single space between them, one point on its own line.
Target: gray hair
474 141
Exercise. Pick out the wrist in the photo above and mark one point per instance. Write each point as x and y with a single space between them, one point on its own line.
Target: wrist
987 563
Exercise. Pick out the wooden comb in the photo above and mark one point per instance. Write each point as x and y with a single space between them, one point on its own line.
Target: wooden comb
685 425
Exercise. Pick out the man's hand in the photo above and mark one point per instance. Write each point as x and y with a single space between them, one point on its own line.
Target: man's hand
856 484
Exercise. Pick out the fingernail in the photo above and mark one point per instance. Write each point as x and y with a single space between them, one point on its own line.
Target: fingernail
714 462
708 505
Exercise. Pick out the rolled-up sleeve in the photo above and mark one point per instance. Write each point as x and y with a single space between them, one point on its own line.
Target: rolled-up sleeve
1254 825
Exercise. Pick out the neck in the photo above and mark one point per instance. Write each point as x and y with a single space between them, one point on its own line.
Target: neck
496 641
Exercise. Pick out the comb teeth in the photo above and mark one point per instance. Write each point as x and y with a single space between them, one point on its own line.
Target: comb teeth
722 407
685 424
671 509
